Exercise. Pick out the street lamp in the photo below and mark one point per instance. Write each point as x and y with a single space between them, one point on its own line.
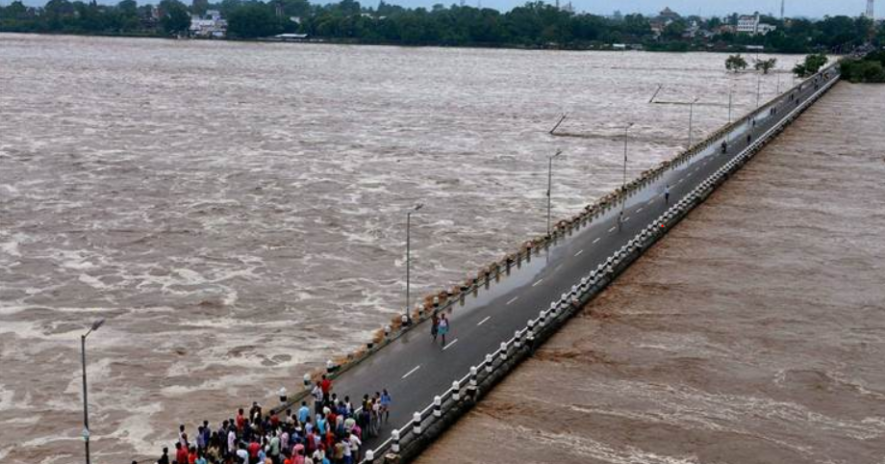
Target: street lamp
408 318
550 186
691 119
95 326
730 99
624 184
758 88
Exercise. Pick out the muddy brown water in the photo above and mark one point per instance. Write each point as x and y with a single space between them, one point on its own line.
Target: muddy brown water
753 333
237 211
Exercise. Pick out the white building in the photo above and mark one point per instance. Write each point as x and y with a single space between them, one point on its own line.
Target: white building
210 25
751 24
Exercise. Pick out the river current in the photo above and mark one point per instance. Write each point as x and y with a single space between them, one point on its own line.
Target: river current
236 211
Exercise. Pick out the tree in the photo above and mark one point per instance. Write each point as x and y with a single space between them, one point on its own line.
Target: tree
674 30
174 17
199 7
254 20
766 65
735 63
811 65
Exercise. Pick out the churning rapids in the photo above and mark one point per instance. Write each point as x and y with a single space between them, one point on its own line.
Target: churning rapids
237 211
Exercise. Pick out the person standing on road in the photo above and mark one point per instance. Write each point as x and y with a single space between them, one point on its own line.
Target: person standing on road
667 194
386 401
434 326
443 328
318 398
620 220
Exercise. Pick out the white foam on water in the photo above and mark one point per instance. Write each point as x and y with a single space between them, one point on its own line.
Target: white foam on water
135 429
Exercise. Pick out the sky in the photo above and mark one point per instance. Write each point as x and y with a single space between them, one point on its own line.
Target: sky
706 8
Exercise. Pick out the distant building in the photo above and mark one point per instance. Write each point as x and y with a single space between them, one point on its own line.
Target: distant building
668 15
752 25
665 18
692 30
657 27
210 25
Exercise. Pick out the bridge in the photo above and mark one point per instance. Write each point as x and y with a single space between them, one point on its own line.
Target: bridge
512 306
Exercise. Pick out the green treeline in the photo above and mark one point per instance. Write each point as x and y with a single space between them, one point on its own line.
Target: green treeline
533 25
869 69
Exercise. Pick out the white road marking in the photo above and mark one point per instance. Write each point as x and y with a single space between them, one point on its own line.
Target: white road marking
579 252
411 372
626 218
512 300
680 181
639 210
450 344
597 239
483 321
612 229
538 282
557 268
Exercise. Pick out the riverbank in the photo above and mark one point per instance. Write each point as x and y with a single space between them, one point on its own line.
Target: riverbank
601 47
754 332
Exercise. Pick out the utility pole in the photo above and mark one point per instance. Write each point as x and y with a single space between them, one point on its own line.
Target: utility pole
550 188
782 9
871 9
626 129
758 88
408 318
95 326
730 92
691 119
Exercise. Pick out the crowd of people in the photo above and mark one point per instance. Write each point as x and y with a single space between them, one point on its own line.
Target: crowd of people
331 432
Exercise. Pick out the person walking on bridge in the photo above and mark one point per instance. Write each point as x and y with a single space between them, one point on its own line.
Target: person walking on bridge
443 328
434 326
667 194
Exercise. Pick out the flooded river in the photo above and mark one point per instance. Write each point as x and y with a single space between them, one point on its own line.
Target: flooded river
237 211
753 333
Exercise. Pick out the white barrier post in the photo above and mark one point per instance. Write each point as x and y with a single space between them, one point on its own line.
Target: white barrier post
416 423
456 390
395 445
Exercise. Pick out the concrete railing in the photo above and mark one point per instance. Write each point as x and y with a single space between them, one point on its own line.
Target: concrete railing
443 410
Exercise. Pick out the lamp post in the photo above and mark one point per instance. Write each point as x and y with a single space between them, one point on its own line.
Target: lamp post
691 119
624 183
95 326
758 88
730 99
408 317
550 187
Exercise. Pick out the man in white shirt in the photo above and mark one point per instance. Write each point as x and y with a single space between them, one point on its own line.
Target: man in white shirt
231 441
